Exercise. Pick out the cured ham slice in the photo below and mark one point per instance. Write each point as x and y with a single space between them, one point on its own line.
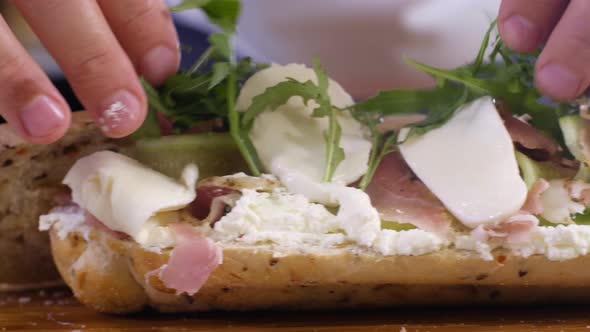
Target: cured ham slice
528 139
208 205
533 203
400 196
516 228
191 261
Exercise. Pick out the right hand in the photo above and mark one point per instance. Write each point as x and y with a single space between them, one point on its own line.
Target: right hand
101 46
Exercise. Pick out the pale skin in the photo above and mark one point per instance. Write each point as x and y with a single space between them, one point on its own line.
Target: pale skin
103 46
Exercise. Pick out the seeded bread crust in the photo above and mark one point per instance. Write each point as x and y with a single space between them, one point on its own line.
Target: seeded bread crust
30 177
113 276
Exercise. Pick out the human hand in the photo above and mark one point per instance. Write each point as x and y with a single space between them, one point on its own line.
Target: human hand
563 68
101 46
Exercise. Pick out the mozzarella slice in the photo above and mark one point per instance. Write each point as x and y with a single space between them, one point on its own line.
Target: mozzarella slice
291 139
124 194
470 165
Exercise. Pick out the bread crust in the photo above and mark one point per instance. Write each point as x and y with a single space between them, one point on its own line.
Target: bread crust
113 276
30 177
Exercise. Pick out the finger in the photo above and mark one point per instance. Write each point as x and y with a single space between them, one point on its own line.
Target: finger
145 30
563 69
525 24
79 38
28 101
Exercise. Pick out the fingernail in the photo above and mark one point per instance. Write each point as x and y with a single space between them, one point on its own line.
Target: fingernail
41 117
520 33
159 63
119 114
558 81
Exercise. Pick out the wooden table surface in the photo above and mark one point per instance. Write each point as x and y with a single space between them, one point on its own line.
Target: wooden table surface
56 310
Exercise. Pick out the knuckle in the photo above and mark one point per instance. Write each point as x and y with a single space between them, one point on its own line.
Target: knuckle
11 67
580 41
136 11
93 64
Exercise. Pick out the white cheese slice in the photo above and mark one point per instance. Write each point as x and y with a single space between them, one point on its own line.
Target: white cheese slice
124 194
470 165
290 138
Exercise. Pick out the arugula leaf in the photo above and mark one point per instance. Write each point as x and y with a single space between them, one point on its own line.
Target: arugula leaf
334 152
377 154
278 95
437 105
482 50
220 42
223 13
189 4
512 84
239 135
220 72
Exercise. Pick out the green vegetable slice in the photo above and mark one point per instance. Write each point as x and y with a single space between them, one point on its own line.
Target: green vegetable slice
396 226
532 170
571 127
215 154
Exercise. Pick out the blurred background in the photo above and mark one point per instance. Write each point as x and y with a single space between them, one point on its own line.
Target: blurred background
361 43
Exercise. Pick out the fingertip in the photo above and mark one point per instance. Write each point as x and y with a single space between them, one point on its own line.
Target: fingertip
558 81
43 120
519 33
121 114
159 63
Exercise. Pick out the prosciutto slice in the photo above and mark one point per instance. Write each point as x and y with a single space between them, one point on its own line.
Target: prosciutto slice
528 139
516 228
533 201
400 196
208 205
191 262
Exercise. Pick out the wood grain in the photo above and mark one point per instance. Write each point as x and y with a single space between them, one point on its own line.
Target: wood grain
56 310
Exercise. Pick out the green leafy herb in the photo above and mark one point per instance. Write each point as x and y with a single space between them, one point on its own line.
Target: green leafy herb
382 145
239 135
220 73
334 152
204 96
223 13
278 95
220 42
189 4
509 79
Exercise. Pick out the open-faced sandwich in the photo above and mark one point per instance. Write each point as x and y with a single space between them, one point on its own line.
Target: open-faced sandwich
267 187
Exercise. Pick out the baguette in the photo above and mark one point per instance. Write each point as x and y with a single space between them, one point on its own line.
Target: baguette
29 181
112 275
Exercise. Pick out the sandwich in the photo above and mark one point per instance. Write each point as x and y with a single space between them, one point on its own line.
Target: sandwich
256 187
30 183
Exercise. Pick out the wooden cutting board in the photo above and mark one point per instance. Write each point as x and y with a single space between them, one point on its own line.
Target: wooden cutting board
56 310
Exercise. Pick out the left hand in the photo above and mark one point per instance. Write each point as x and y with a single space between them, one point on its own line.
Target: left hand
563 68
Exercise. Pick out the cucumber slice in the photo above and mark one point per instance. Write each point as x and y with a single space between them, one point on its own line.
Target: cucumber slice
571 127
215 154
396 226
532 170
